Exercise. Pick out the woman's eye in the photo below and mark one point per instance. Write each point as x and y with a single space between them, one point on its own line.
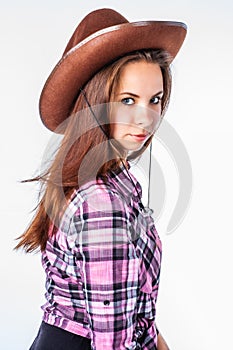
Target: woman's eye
127 101
155 100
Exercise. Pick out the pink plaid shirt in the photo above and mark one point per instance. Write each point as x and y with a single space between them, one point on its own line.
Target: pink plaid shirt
102 267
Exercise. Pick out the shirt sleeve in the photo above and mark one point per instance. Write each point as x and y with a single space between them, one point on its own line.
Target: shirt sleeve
109 268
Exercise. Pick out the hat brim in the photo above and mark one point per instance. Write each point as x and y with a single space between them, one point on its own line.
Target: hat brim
89 56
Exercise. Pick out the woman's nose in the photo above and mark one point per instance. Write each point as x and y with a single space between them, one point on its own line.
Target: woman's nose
144 116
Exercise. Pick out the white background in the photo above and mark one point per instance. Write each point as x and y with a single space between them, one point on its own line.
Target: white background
195 300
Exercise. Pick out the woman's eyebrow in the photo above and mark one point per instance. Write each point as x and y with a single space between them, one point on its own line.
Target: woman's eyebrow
129 93
135 95
158 93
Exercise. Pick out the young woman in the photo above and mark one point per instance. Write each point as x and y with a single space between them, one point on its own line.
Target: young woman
100 250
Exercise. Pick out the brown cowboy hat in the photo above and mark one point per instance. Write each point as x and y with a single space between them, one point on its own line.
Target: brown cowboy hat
101 37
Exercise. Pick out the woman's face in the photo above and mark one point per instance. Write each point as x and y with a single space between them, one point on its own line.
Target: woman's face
137 110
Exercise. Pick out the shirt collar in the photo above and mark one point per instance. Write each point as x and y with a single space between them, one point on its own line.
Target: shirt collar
125 183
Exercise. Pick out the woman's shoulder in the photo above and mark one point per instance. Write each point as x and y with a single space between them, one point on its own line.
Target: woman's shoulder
95 196
97 188
114 193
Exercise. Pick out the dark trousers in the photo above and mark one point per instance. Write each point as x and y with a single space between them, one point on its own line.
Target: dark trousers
54 338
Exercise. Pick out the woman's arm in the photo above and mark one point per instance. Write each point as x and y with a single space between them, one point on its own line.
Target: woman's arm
109 269
161 344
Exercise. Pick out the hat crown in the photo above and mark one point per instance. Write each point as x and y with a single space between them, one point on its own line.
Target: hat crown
93 22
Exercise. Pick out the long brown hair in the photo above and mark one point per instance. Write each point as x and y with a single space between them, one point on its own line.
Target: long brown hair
85 152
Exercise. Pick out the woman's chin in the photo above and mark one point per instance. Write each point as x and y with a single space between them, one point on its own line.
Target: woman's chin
132 147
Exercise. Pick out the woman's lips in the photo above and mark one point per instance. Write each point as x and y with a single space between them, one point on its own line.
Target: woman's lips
139 137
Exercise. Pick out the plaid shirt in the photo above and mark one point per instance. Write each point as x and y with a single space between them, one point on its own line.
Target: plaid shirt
102 267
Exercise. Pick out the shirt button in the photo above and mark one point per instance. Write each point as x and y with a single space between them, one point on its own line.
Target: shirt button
140 333
106 302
